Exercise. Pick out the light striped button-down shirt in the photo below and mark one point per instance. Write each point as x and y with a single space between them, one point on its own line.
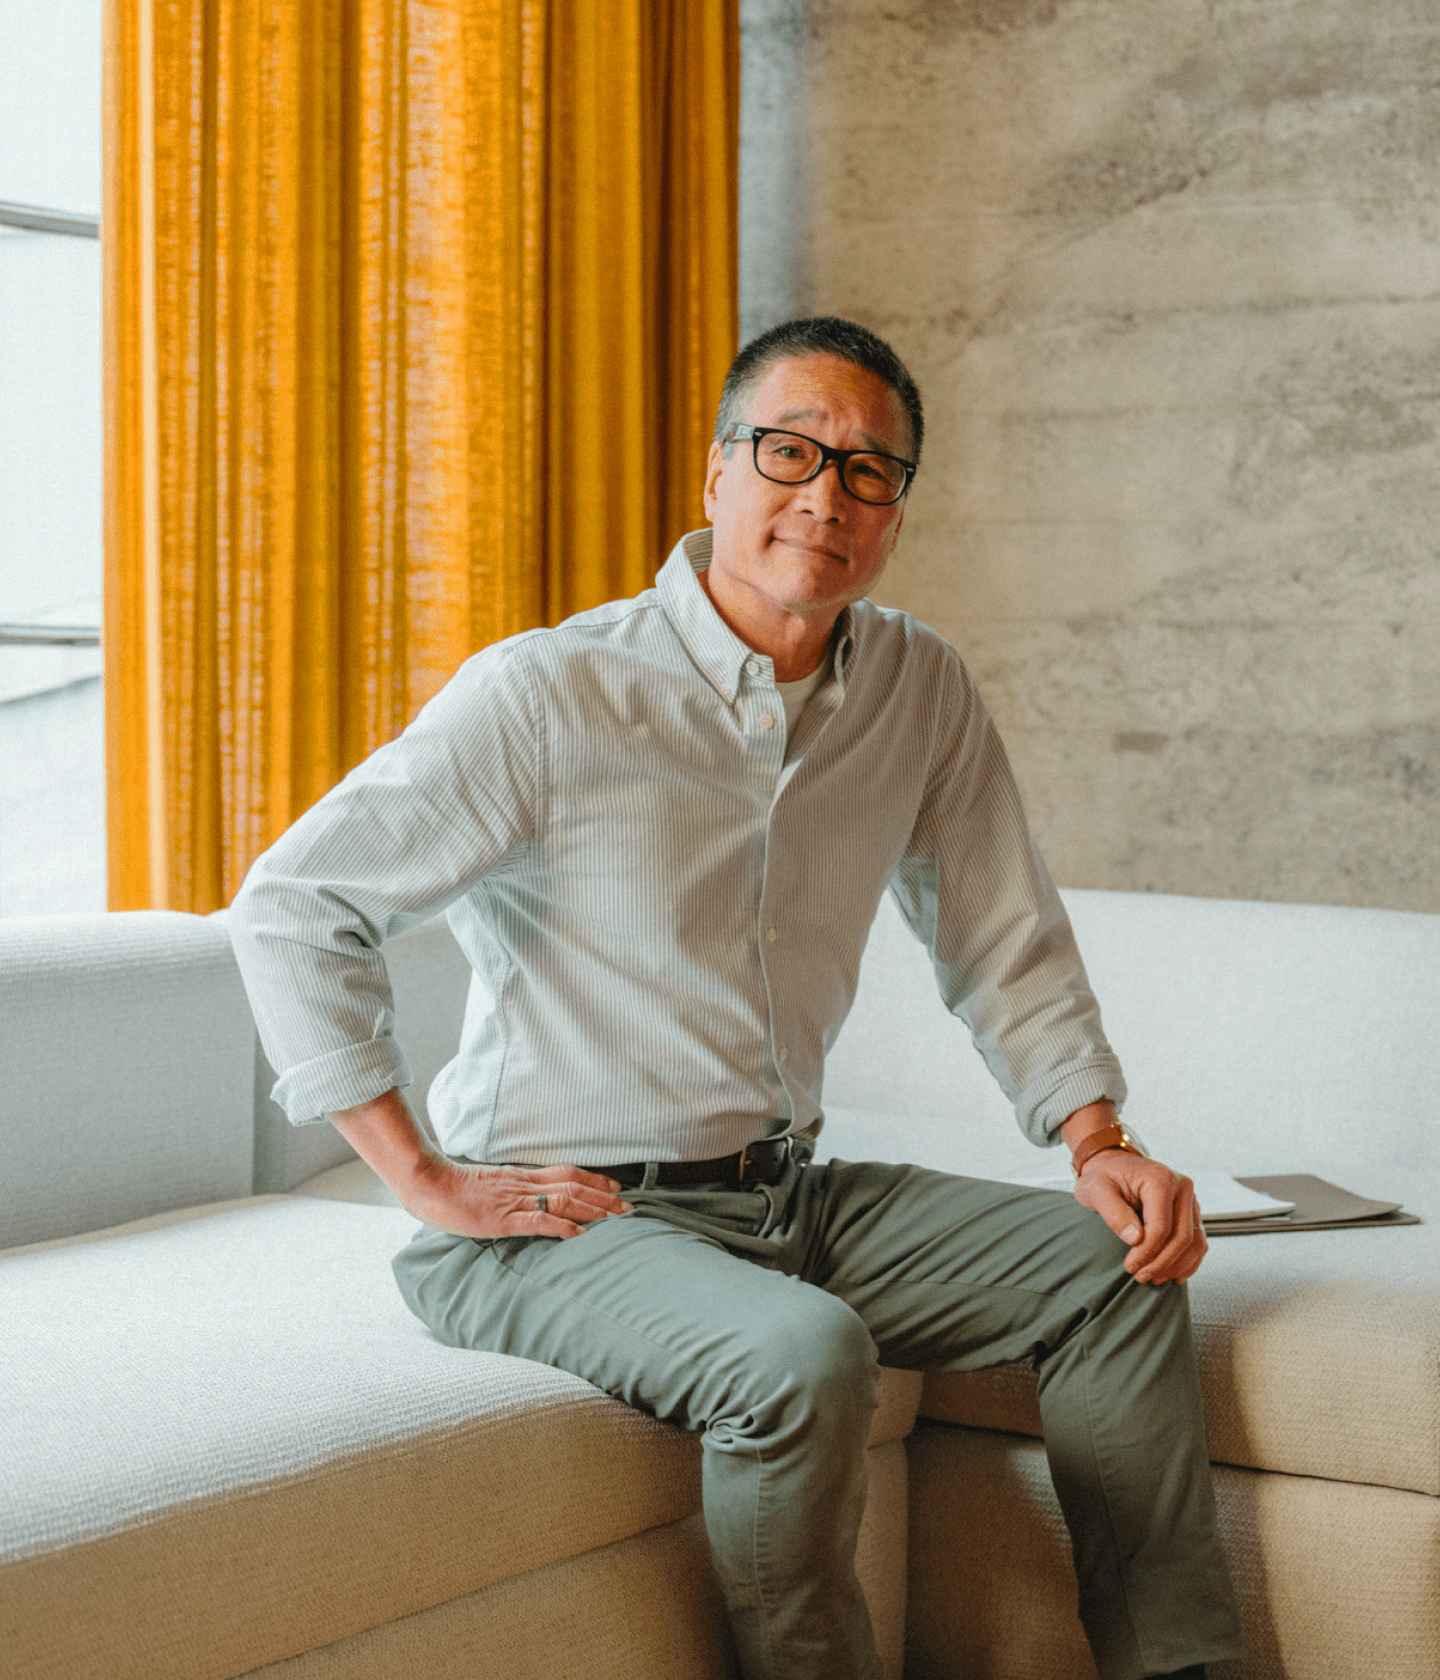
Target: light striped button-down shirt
665 900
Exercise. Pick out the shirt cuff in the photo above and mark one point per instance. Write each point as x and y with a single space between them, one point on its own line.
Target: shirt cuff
1102 1082
343 1078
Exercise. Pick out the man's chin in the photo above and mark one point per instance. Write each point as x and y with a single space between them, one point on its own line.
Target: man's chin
813 606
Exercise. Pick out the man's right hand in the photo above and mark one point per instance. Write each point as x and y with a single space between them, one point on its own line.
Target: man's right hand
473 1201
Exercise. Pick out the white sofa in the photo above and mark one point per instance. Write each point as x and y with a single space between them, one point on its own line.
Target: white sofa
226 1449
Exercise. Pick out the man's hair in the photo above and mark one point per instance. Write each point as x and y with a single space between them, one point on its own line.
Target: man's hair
817 335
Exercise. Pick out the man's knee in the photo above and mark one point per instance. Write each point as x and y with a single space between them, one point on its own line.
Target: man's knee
812 1364
1106 1297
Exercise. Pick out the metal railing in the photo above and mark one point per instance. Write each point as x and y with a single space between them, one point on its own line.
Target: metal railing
49 635
40 219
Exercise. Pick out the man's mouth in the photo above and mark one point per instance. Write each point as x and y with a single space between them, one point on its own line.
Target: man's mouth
812 548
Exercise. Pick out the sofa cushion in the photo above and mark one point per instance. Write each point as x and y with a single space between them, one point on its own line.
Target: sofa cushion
241 1396
230 1434
128 1052
1319 1354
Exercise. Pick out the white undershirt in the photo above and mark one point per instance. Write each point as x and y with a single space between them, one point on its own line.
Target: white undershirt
794 695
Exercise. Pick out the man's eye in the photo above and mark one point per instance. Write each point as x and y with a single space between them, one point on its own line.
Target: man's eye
866 469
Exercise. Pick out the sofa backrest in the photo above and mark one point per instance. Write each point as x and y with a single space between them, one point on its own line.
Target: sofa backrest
128 1053
1258 1037
1264 1034
135 1084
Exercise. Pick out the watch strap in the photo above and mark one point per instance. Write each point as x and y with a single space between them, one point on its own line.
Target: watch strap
1108 1137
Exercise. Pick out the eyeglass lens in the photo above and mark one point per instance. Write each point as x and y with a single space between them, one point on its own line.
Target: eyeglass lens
790 458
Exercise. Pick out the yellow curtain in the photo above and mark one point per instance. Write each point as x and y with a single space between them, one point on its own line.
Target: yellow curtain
416 317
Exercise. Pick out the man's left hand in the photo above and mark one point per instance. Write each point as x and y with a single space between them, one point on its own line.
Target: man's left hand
1148 1206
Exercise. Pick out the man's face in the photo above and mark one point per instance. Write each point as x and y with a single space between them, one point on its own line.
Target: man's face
805 549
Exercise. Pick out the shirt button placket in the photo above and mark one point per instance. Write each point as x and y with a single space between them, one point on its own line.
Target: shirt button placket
763 725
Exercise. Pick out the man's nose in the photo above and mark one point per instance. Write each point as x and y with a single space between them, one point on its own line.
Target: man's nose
824 495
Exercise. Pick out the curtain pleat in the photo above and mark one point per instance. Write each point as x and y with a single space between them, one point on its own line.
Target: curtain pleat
416 316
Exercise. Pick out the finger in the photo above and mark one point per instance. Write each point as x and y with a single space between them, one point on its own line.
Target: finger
541 1225
1103 1197
1177 1269
564 1205
591 1204
1168 1260
1184 1264
595 1188
579 1201
1164 1207
603 1191
571 1175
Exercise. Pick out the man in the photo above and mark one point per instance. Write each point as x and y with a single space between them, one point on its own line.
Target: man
662 831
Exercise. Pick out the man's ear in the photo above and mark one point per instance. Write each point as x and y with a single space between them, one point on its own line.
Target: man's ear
714 464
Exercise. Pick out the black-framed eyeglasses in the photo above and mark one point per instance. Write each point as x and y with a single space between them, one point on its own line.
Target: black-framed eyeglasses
792 458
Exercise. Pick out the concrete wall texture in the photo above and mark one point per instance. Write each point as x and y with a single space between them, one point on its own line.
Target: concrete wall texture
1168 273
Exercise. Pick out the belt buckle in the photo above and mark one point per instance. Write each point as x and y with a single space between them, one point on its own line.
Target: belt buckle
761 1143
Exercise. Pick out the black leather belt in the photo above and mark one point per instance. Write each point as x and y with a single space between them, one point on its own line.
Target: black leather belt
756 1163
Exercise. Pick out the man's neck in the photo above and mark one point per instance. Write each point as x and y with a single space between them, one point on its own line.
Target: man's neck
795 644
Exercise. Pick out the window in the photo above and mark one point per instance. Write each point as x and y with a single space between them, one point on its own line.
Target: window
52 829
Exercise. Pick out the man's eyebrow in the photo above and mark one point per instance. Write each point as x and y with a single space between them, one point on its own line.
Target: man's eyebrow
871 441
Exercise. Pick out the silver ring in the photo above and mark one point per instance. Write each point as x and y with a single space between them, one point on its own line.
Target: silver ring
542 1204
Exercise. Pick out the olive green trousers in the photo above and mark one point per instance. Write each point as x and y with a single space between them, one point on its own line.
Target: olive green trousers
758 1317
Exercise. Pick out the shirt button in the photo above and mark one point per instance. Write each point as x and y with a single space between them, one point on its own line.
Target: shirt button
784 1052
753 667
767 722
771 935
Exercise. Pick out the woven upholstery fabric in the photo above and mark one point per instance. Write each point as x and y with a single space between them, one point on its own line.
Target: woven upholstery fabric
647 1606
1319 1355
1336 1581
246 1400
128 1049
245 1397
351 1181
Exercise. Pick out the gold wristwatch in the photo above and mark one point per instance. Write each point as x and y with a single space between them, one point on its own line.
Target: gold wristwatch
1108 1137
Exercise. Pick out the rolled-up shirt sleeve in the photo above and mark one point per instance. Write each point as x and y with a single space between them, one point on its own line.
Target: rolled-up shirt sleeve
403 836
974 889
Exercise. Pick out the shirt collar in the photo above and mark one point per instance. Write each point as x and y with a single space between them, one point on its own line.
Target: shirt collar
710 642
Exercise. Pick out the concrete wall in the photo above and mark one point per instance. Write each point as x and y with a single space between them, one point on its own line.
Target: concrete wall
1168 272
